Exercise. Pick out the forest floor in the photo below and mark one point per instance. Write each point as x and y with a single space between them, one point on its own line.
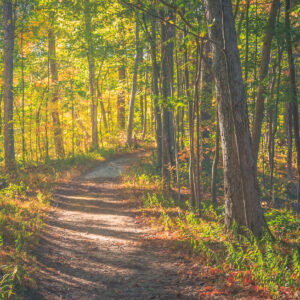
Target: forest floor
99 243
94 246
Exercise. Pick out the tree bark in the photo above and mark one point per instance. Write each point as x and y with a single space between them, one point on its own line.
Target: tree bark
167 71
295 111
121 96
8 26
241 192
155 91
264 66
134 85
92 77
57 130
215 166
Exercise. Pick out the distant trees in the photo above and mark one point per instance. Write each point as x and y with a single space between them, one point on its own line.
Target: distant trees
193 98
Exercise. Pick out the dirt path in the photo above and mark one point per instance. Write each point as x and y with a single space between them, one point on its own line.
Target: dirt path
93 247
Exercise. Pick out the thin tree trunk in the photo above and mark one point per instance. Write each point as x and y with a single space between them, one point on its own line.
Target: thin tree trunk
99 98
288 122
167 71
295 111
92 77
197 112
264 66
8 25
57 130
134 85
215 166
145 107
23 99
155 92
274 125
121 96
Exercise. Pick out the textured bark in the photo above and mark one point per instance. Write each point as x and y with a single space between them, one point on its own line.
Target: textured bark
134 86
191 125
241 194
121 97
205 108
295 111
57 130
263 71
99 98
92 76
288 124
155 91
8 26
274 120
215 167
167 65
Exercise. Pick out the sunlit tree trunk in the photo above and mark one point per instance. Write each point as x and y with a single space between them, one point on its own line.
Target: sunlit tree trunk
121 96
134 85
241 193
155 91
264 66
215 166
295 111
92 78
8 26
54 90
167 71
288 124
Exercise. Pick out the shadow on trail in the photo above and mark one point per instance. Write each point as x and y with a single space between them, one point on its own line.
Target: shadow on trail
92 248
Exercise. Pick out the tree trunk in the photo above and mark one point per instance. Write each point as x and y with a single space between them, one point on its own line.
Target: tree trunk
264 65
134 85
241 193
295 111
215 166
206 105
57 130
274 128
99 97
288 124
145 106
92 78
167 71
155 91
8 26
23 98
121 96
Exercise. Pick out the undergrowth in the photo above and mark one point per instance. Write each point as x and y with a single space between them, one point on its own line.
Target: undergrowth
270 267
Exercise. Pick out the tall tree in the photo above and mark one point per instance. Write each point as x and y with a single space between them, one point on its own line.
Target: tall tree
54 89
8 26
134 84
155 90
167 71
121 95
92 76
263 71
241 194
295 110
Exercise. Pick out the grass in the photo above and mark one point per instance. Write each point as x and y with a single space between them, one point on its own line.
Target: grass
270 268
24 199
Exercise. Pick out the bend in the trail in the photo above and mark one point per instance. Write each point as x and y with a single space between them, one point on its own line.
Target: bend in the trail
93 248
